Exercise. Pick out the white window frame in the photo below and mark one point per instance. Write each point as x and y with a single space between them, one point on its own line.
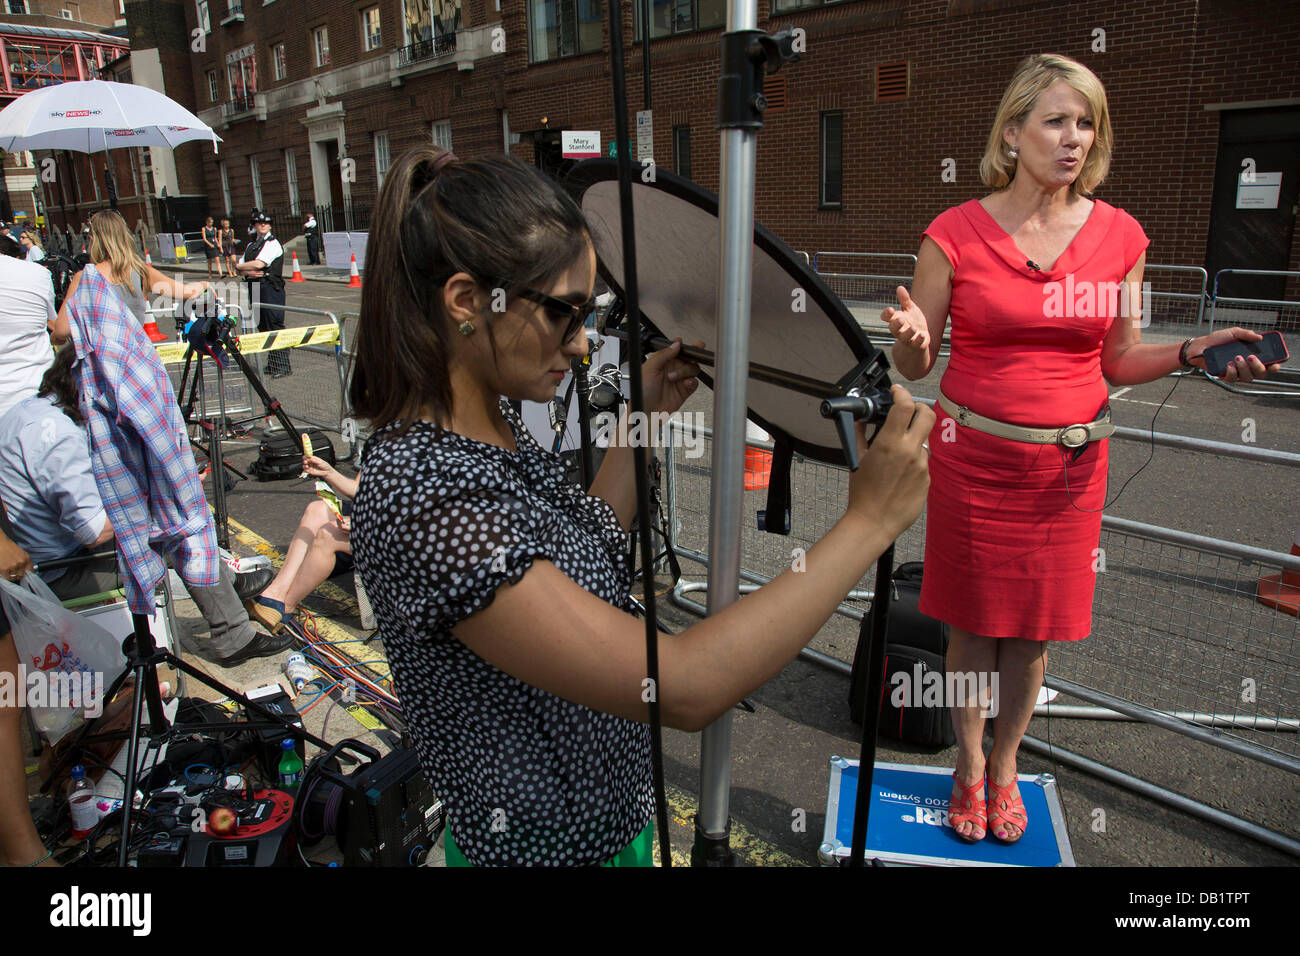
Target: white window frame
442 134
365 33
204 15
383 157
254 173
279 62
225 192
214 87
317 34
291 176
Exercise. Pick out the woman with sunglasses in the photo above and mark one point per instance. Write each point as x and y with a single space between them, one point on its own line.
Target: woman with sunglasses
501 590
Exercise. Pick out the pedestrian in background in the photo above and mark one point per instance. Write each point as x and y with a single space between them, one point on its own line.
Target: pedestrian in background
312 231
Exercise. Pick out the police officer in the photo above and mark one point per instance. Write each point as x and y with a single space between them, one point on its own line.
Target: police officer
262 267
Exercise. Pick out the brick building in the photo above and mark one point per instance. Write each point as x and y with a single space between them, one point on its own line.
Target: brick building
313 100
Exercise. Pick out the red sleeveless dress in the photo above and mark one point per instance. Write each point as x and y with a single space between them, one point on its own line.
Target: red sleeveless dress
1012 528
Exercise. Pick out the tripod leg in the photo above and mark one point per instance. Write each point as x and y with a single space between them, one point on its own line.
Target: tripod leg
879 625
217 467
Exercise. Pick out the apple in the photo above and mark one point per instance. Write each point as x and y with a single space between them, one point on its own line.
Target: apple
223 821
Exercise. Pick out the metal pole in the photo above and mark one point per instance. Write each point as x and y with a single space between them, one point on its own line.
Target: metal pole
736 215
645 50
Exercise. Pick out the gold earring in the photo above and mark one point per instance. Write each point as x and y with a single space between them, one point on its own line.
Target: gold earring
467 328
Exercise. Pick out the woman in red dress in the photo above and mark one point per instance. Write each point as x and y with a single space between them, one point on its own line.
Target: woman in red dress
1037 279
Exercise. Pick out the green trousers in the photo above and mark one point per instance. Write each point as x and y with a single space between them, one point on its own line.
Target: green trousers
640 852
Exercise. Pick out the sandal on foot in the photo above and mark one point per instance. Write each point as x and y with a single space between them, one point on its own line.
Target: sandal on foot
1005 809
268 612
966 805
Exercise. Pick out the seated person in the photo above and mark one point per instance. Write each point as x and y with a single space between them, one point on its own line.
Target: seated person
322 534
56 512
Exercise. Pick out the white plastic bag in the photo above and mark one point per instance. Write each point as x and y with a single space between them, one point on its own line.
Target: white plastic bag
65 662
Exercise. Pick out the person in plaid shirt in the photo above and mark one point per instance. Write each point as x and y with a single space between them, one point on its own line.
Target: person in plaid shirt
144 470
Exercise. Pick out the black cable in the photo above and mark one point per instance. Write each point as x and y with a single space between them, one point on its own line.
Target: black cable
1065 462
638 406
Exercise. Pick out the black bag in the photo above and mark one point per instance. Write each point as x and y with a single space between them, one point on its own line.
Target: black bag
915 645
279 458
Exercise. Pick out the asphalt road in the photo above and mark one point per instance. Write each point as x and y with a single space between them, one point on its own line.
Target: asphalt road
781 751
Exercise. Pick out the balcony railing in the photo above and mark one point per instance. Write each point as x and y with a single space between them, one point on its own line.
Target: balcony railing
427 49
242 103
234 12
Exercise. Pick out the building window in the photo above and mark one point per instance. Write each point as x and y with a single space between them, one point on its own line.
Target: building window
257 181
559 28
291 175
680 16
225 188
370 29
214 87
381 156
205 22
788 6
241 74
66 14
18 6
320 41
442 134
832 159
278 62
682 151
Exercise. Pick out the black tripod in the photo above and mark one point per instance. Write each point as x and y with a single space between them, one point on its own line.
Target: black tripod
142 659
217 330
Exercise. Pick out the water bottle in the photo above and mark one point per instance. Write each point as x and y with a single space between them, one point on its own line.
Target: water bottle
290 766
298 671
82 804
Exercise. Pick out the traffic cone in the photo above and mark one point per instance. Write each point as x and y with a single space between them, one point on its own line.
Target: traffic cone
355 281
297 273
758 463
151 330
147 260
1282 591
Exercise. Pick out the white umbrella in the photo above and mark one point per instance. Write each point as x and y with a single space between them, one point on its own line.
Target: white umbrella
94 115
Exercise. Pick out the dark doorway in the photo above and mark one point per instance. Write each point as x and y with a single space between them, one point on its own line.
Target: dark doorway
547 154
1257 237
334 221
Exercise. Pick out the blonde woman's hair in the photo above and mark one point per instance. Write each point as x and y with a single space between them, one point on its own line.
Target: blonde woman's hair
1033 76
33 238
111 241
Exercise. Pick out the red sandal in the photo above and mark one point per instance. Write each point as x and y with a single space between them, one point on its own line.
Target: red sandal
1004 810
967 808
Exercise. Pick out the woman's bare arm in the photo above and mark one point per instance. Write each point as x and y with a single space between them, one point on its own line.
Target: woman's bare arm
920 327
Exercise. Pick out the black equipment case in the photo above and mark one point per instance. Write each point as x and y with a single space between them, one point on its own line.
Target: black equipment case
279 457
915 645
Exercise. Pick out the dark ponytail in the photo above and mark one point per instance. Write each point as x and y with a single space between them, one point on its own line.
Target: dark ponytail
496 219
59 381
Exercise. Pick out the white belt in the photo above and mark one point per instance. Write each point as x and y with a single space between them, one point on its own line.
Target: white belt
1071 436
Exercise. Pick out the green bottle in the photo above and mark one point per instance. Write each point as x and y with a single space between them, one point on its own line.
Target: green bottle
290 766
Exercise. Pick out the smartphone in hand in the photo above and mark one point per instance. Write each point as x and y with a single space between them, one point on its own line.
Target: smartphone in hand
1271 350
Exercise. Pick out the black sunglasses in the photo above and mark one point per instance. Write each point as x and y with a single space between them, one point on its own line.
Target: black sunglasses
577 315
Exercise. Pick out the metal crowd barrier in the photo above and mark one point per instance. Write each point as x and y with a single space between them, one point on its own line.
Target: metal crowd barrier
1185 308
1177 631
1262 315
315 393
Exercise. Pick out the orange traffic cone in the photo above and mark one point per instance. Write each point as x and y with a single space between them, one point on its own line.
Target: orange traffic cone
355 281
297 272
1282 591
758 463
151 330
147 261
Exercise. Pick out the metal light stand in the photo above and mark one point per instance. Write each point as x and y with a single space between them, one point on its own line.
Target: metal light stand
746 53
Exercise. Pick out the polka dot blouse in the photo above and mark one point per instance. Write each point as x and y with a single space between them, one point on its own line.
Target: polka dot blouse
440 522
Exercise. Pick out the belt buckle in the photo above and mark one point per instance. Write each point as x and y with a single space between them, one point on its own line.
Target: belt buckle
1074 436
963 415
